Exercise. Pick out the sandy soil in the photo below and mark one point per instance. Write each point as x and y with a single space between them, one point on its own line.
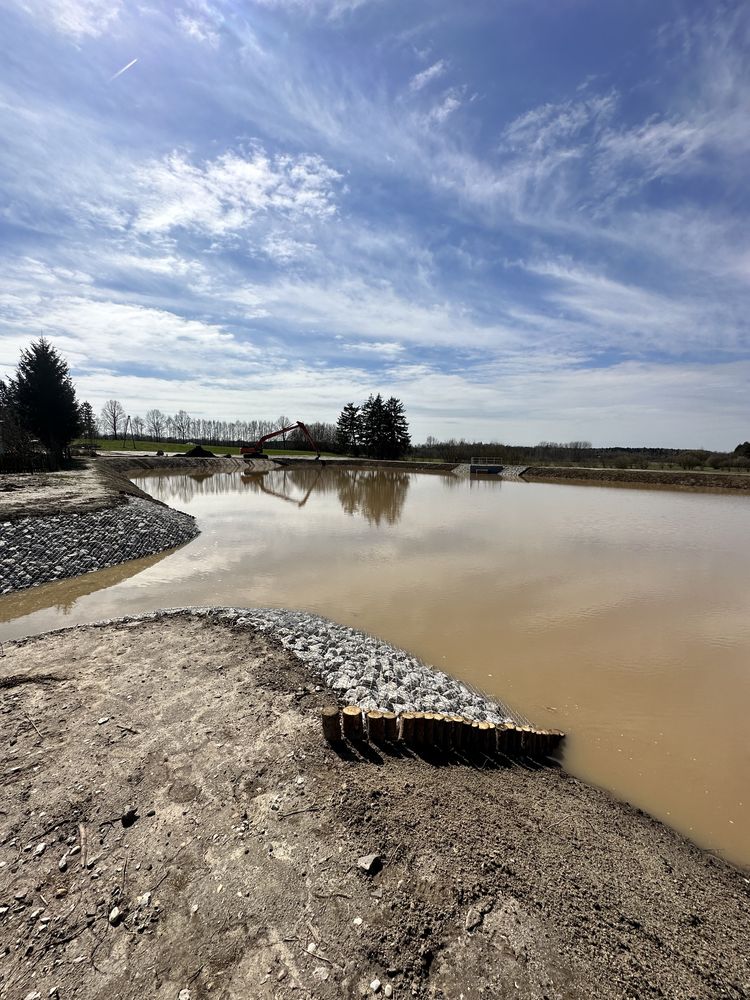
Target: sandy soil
173 825
53 492
93 484
89 486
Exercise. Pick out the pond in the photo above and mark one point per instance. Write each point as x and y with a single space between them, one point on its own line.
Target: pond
621 616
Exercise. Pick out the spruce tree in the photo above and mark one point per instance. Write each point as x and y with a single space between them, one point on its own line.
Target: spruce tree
87 422
373 427
399 439
384 430
348 429
45 399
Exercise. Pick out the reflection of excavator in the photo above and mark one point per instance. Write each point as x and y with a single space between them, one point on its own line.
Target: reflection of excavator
260 479
255 448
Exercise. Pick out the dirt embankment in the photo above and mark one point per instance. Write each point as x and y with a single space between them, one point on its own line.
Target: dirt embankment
86 488
639 477
172 821
139 464
60 525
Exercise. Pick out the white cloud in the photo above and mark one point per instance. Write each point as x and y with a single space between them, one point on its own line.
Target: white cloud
327 8
111 335
355 308
441 112
634 318
553 124
381 348
223 196
78 18
420 80
198 28
283 249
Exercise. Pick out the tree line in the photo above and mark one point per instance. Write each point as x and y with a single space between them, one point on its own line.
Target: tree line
582 454
183 428
40 416
377 428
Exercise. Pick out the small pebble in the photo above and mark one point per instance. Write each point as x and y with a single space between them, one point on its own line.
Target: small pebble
375 986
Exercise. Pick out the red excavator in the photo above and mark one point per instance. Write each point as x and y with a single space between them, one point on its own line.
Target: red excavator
255 448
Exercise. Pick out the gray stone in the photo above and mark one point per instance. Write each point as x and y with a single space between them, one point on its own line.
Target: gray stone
370 863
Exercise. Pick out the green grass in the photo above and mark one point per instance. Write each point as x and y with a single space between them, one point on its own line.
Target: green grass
104 444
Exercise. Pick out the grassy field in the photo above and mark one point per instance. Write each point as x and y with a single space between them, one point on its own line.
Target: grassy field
104 444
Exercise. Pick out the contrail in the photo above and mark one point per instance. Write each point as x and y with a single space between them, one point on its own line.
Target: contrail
123 70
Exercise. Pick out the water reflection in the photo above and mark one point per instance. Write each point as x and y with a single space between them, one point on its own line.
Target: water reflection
374 495
63 595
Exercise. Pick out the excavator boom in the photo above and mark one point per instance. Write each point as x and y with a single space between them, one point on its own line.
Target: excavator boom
255 448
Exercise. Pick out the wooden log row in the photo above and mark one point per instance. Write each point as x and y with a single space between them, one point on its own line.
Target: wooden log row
435 731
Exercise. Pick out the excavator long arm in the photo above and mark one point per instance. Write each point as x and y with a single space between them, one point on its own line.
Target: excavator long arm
257 447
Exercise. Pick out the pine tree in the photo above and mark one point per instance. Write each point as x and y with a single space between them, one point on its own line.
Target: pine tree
87 422
399 438
349 429
44 398
384 430
373 426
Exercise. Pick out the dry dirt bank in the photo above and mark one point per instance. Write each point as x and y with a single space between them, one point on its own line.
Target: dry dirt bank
220 842
86 488
91 485
640 477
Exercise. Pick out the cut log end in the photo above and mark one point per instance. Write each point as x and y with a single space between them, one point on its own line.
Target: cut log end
376 727
353 726
331 721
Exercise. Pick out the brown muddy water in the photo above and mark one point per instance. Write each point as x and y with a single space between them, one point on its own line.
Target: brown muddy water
619 615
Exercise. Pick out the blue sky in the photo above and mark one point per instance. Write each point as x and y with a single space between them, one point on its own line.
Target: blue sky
528 219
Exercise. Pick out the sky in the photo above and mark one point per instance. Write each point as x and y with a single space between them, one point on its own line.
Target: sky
527 219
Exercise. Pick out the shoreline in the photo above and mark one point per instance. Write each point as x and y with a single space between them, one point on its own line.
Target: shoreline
56 526
708 482
248 849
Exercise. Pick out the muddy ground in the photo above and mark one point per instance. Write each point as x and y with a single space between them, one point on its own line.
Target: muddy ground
172 825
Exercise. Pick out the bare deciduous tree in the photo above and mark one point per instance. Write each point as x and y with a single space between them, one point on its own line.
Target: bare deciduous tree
155 423
112 417
181 423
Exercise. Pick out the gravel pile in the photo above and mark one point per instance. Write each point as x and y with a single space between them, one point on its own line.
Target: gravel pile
363 670
360 668
36 550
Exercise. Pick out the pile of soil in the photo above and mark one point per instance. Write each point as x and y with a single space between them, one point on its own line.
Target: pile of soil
173 825
199 452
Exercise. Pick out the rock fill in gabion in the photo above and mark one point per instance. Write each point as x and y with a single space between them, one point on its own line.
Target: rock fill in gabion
36 550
